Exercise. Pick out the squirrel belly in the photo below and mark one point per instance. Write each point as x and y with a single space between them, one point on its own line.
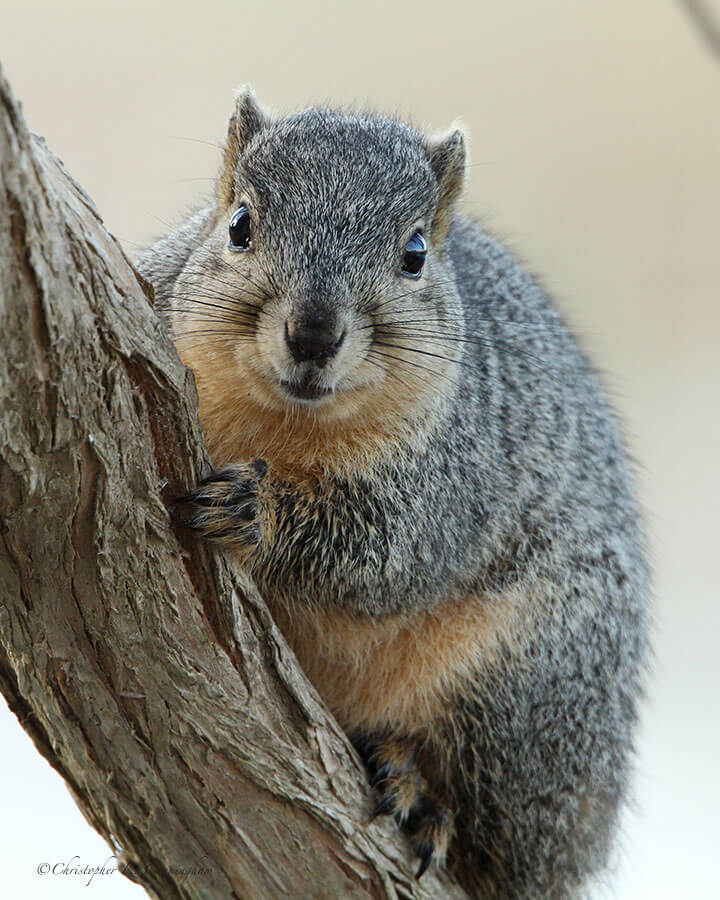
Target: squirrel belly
422 473
402 672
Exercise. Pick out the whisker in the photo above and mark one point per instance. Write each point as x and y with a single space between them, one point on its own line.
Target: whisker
239 280
441 337
409 362
179 137
207 309
203 308
231 335
215 320
538 328
223 262
190 295
263 294
499 346
393 374
229 304
407 293
450 359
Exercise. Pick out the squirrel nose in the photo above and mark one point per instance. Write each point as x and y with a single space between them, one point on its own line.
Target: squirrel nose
314 340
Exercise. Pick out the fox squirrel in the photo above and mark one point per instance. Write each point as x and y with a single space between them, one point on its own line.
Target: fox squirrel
426 482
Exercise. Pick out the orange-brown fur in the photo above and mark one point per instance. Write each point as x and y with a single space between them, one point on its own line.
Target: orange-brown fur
399 671
242 423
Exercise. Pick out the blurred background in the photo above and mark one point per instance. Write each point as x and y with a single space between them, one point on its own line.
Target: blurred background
595 147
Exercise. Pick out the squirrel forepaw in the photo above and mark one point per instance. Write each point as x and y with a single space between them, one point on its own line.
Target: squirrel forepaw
224 506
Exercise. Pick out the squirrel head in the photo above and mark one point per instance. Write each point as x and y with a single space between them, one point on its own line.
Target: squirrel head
324 289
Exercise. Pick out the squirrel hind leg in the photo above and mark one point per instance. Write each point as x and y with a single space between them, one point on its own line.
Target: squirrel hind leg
404 794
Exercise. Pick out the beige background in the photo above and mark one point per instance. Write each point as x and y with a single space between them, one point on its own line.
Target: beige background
595 141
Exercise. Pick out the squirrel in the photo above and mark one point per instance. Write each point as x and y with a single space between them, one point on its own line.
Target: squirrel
425 478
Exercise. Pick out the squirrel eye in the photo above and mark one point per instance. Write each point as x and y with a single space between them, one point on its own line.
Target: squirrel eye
240 230
414 256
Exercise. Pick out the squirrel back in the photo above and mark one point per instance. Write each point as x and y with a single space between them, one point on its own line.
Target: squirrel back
427 482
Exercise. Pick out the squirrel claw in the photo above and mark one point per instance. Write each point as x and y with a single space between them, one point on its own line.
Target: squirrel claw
432 828
425 860
380 775
383 808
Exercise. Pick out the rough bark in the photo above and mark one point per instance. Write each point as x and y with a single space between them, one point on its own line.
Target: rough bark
147 672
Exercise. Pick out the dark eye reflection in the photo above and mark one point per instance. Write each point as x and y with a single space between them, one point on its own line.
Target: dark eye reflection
414 256
240 230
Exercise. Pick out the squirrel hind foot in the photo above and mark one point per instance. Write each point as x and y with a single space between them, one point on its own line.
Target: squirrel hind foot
404 794
431 825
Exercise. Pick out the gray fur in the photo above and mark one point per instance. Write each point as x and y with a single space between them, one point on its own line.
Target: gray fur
514 477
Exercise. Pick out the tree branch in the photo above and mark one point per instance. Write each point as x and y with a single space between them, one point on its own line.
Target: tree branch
147 672
702 18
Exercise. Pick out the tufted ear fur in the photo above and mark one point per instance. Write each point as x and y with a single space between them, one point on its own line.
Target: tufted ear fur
248 118
449 161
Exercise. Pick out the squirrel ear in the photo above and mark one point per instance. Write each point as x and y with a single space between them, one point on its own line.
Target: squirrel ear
449 159
248 118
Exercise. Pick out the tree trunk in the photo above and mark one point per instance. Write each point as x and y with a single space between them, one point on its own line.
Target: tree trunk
145 669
